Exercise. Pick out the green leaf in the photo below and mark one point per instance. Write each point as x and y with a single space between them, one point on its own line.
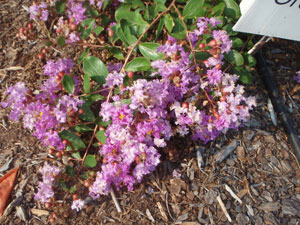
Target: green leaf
237 42
194 8
90 99
169 22
121 35
245 75
117 53
159 28
73 189
178 31
138 64
250 61
160 5
136 4
90 161
91 11
76 142
83 128
63 185
60 6
76 155
133 18
83 55
131 39
85 33
100 135
61 41
98 30
218 9
87 115
68 84
235 58
104 20
102 123
86 84
149 50
228 29
232 9
70 171
95 68
202 55
105 4
48 43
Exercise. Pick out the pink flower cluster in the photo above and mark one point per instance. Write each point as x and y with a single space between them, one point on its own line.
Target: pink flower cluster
176 99
46 112
45 190
39 11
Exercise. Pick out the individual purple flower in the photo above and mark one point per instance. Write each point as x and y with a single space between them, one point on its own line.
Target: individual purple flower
214 22
76 11
222 37
73 38
214 76
39 11
52 68
202 26
45 191
111 67
77 205
114 79
297 78
149 160
17 100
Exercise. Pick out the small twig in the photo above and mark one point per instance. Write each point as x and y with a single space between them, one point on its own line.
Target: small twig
94 92
212 5
259 45
56 50
227 188
224 208
92 45
112 193
87 149
187 34
167 204
12 68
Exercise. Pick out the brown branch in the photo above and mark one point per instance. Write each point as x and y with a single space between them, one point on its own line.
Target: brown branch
94 92
89 145
187 34
212 5
92 45
192 51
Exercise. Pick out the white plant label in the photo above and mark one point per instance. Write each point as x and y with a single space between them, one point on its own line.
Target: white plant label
274 18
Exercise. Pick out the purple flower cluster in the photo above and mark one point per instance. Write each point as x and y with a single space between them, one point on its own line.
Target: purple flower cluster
45 191
172 102
223 43
47 112
18 96
39 11
76 11
77 205
100 3
297 78
203 27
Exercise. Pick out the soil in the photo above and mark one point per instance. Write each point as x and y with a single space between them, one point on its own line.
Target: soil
261 169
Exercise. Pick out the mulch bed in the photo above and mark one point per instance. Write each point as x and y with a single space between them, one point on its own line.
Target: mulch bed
258 183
